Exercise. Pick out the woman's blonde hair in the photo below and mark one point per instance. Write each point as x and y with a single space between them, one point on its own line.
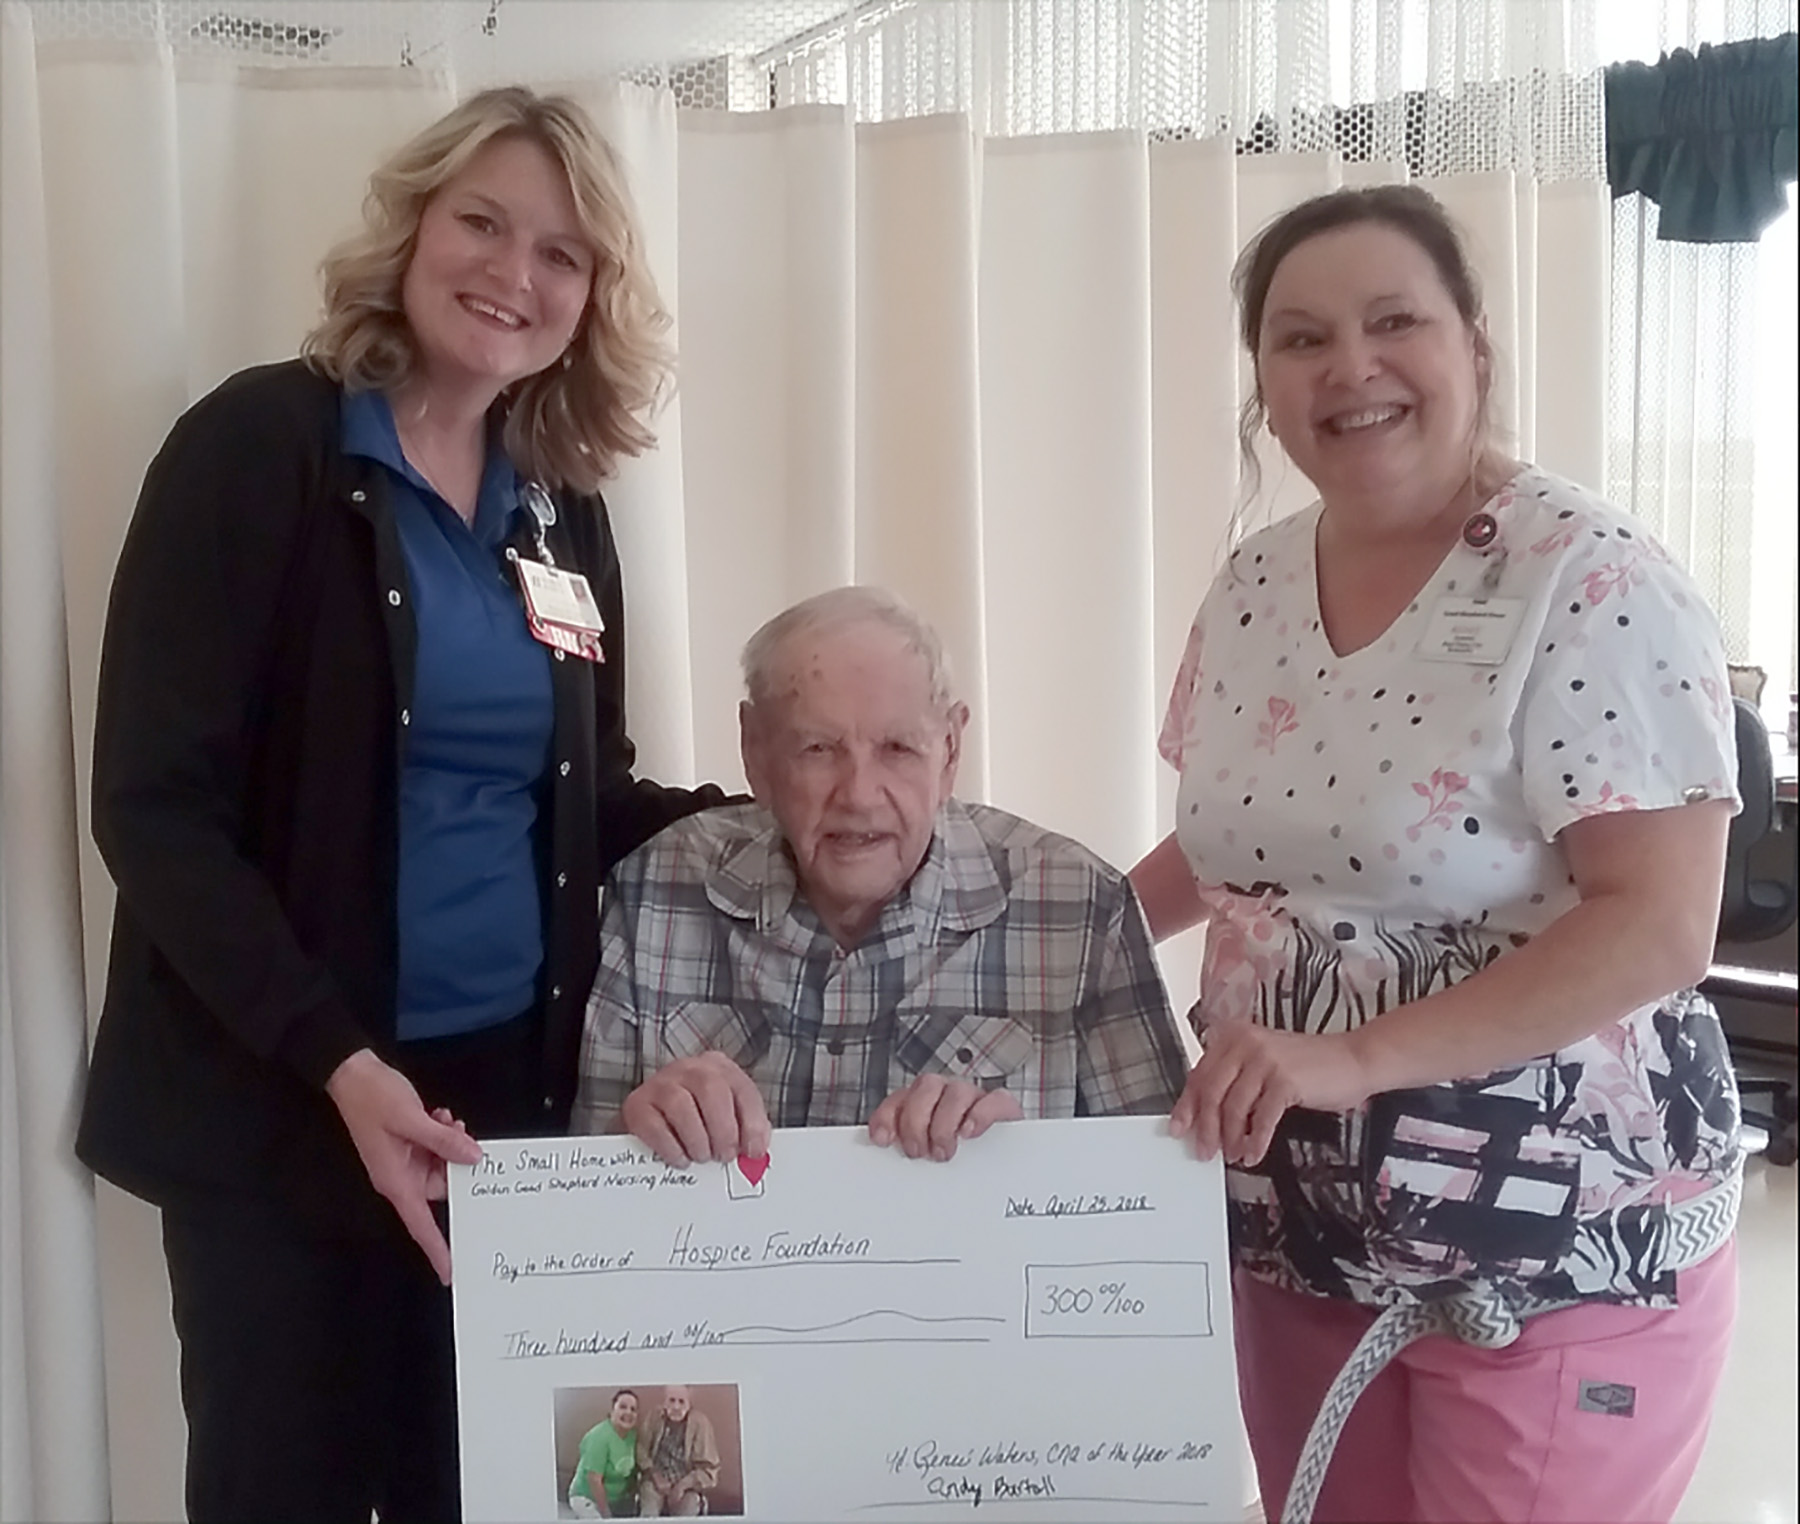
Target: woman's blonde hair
567 425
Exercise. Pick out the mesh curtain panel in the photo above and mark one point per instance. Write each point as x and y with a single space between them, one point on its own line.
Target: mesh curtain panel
1699 444
951 285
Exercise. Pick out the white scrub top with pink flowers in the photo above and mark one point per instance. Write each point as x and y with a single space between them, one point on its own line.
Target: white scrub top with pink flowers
1369 829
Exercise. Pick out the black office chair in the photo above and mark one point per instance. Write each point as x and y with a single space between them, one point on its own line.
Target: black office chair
1753 909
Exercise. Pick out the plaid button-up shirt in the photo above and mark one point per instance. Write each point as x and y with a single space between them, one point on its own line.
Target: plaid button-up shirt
1014 958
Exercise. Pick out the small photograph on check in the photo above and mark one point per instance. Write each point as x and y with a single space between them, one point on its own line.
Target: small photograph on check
649 1451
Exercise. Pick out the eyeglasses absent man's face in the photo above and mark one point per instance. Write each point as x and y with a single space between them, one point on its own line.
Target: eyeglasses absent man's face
854 760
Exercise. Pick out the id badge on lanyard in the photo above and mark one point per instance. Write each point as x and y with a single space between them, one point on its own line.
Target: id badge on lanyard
559 606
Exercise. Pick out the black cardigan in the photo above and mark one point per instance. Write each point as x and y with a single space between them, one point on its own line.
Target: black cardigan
252 719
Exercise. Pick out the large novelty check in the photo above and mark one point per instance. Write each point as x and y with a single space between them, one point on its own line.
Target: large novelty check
1039 1329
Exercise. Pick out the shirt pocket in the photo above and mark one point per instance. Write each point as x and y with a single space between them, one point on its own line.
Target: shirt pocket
992 1052
704 1027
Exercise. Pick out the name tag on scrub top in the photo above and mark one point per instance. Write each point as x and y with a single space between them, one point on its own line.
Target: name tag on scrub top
560 608
1478 631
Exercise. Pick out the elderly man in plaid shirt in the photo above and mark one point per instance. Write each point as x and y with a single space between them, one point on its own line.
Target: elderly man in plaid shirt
857 946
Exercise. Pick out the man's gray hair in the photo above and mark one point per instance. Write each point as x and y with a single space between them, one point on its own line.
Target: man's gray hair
841 608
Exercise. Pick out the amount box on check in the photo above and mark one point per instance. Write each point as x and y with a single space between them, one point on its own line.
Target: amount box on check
1119 1299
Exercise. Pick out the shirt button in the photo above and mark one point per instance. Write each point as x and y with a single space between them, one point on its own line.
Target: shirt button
965 1056
394 596
358 496
564 769
556 992
406 716
562 880
560 655
549 1103
835 1047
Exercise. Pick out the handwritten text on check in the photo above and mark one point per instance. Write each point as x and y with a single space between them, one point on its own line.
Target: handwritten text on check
1039 1329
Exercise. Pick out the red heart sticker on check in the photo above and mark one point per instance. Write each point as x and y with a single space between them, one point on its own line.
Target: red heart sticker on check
754 1169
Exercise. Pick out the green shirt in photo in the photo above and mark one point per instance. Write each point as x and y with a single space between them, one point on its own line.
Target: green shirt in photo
610 1454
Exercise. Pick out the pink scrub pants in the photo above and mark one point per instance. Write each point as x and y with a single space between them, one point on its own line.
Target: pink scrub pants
1537 1433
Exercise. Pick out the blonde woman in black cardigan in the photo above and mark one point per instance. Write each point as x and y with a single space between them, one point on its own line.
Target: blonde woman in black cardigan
357 793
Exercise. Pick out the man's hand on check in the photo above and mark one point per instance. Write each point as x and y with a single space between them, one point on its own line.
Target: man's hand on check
698 1108
933 1114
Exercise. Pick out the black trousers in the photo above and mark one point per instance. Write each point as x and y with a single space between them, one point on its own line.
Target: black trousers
318 1375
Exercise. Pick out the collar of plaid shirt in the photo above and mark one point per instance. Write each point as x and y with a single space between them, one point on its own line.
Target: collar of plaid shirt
955 888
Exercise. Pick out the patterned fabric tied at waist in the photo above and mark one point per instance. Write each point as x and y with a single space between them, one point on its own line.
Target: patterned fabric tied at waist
1485 1314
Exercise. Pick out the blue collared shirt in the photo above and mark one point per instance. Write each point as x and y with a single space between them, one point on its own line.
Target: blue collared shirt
471 939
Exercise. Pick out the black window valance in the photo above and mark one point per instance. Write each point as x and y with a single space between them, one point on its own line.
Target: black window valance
1709 136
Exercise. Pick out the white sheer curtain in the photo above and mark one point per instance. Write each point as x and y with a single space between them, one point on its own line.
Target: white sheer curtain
50 1389
1701 442
996 372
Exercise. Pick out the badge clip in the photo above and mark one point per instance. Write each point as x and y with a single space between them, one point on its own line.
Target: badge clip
1481 533
542 508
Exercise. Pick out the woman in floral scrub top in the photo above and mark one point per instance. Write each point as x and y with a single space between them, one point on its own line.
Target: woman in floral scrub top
1456 769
